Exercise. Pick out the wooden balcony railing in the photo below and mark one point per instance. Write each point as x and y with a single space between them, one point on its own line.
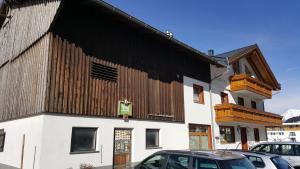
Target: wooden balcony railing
245 82
237 113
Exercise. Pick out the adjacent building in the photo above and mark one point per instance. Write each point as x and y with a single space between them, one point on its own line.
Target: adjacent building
83 83
289 130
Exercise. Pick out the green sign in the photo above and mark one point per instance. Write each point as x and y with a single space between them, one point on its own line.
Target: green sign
125 108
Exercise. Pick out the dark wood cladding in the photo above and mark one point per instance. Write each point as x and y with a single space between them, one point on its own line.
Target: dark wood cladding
23 82
73 90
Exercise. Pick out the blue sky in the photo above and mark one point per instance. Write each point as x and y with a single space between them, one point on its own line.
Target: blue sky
225 25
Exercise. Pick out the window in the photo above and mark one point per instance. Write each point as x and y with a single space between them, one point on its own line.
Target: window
241 101
224 98
236 67
280 163
198 94
152 138
154 162
227 134
83 139
287 150
199 163
2 140
253 104
256 134
178 162
256 161
266 149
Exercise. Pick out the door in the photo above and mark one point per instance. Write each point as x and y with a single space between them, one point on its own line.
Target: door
244 140
200 137
122 148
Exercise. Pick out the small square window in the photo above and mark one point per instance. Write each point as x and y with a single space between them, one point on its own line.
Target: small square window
198 94
83 139
241 101
2 140
227 134
253 104
152 138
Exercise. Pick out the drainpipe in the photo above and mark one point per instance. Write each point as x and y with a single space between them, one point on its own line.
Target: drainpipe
212 118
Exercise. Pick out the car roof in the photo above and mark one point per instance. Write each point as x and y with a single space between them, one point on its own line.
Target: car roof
213 154
258 154
293 143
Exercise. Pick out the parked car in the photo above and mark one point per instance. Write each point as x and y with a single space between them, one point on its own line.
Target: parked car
288 150
168 159
265 160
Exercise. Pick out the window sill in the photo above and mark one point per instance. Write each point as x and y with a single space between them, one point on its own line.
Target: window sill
84 152
197 102
150 148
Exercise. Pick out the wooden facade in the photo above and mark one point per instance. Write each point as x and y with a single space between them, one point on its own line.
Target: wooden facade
244 82
73 90
236 113
23 82
46 64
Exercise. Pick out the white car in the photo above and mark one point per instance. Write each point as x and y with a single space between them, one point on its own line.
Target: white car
288 150
265 161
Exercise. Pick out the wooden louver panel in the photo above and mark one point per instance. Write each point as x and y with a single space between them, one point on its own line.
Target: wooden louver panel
101 71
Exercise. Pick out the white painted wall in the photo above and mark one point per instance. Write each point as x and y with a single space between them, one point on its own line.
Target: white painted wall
32 128
57 131
194 112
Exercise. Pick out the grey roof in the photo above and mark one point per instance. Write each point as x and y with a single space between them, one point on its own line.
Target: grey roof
222 57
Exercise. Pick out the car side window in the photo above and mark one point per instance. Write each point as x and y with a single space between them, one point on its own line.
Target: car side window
266 149
155 162
200 163
256 161
287 149
178 162
257 148
297 150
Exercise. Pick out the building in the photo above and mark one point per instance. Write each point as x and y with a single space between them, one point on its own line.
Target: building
238 94
83 83
289 130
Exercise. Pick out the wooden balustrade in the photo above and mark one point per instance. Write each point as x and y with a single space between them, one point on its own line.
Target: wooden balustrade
245 82
237 113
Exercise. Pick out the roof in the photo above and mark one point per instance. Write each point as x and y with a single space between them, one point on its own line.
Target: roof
233 53
172 40
213 154
251 53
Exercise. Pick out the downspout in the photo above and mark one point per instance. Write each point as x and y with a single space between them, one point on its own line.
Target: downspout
212 118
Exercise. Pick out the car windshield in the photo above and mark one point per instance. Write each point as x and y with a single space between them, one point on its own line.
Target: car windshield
280 163
238 164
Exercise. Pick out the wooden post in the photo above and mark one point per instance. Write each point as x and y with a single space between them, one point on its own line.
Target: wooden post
22 153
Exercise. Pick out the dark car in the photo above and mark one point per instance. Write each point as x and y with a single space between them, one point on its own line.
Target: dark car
171 159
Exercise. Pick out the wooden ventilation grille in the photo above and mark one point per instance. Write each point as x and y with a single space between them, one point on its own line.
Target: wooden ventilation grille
100 71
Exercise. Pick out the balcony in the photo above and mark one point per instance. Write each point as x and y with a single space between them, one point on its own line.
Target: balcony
237 113
243 83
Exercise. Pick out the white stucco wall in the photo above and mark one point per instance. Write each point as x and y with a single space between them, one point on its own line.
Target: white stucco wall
57 140
32 128
194 112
